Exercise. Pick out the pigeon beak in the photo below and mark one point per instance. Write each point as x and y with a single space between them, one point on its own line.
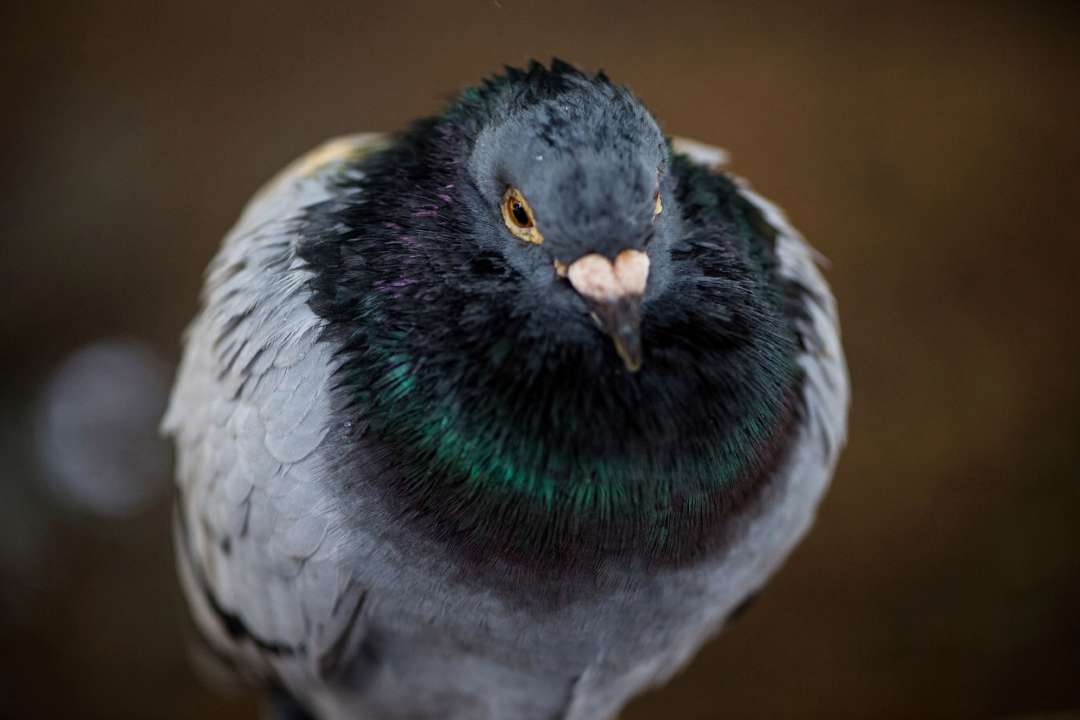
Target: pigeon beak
613 291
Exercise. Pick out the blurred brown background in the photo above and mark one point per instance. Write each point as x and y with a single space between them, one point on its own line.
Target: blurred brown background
930 152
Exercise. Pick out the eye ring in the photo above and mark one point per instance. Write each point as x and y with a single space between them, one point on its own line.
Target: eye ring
519 218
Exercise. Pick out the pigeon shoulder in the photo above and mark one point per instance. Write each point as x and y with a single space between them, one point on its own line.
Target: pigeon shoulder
249 411
827 390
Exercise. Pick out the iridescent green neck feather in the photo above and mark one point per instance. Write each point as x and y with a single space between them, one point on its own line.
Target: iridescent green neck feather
506 420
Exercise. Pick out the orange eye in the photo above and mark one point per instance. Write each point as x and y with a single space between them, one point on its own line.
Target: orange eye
519 214
518 217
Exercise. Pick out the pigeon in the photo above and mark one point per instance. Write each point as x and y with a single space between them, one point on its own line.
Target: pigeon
500 416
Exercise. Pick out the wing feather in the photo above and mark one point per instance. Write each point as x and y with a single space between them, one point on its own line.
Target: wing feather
250 408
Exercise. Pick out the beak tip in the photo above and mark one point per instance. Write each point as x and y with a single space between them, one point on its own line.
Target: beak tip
631 358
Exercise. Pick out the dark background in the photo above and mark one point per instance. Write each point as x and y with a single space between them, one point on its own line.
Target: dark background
930 152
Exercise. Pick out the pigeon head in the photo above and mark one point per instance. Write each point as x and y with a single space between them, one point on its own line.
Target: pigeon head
569 173
550 326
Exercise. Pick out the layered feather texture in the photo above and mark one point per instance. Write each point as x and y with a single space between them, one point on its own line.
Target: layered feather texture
414 478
